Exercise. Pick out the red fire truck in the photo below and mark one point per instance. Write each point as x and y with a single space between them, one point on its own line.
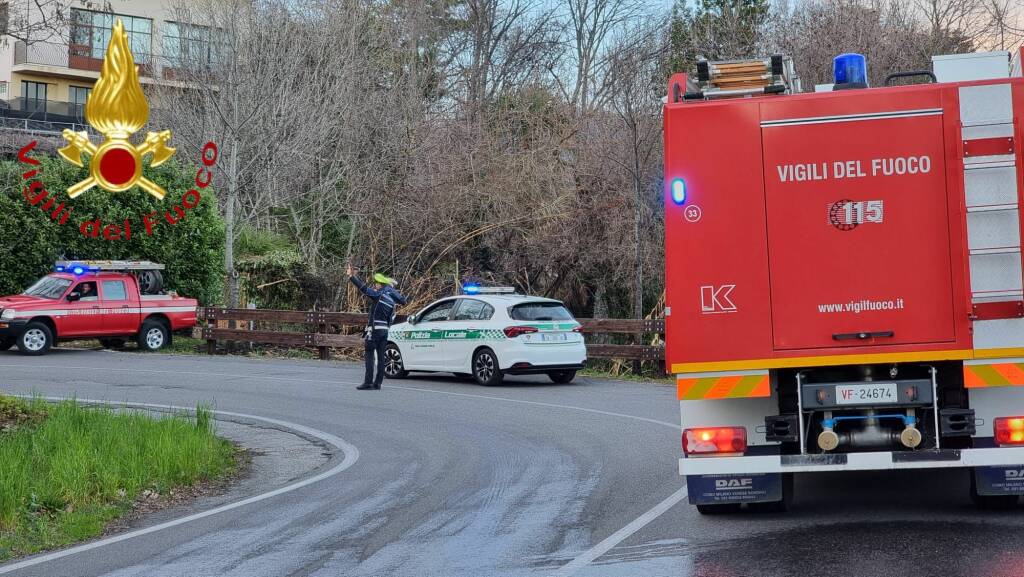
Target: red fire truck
107 300
843 271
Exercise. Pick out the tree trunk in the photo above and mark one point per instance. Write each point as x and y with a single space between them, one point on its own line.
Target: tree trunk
229 218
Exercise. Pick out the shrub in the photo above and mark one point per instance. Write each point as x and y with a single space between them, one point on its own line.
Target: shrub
192 249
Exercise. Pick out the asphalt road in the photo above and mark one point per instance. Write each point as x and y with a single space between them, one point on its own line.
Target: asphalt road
525 479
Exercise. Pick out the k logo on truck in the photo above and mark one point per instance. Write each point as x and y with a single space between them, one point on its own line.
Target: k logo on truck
717 299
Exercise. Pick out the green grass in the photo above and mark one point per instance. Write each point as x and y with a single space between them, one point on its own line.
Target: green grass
67 470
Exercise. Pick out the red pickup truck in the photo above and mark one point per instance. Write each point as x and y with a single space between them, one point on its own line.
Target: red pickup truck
109 300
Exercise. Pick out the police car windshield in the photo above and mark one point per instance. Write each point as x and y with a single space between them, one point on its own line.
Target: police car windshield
48 287
540 311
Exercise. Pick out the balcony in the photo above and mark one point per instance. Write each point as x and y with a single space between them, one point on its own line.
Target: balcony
75 61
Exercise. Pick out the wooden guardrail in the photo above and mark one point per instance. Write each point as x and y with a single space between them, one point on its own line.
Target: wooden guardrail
249 327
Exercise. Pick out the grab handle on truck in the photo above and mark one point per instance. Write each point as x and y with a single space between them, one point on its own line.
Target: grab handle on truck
863 336
910 74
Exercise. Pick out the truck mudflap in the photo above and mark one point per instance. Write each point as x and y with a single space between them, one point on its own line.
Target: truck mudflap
880 460
723 489
995 481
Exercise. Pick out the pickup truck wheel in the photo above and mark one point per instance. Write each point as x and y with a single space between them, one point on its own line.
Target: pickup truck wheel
112 343
36 339
393 367
6 344
153 336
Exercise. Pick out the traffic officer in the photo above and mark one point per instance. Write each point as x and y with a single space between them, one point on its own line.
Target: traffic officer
382 313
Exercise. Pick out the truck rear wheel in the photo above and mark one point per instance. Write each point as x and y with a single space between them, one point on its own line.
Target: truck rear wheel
153 336
726 509
36 339
990 502
783 504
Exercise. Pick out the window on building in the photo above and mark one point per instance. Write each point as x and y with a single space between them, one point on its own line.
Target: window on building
90 34
77 95
33 90
188 45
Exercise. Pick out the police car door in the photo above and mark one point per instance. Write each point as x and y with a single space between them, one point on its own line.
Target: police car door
426 338
465 332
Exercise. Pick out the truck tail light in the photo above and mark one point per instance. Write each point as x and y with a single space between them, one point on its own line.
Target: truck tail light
578 329
1009 430
705 441
513 332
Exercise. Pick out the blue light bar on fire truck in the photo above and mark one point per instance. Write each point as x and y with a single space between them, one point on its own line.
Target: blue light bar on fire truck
81 267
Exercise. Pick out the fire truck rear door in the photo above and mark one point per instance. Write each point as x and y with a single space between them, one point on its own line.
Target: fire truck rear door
858 230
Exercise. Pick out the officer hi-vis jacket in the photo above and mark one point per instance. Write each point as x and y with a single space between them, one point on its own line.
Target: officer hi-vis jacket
382 313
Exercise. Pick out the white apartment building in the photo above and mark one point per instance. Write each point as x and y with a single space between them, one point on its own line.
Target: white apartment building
47 78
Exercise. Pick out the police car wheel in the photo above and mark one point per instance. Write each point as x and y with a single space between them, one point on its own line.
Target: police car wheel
562 377
393 367
6 344
991 502
35 340
485 368
153 336
727 509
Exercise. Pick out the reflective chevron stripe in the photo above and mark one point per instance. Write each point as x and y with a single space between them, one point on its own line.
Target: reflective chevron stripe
741 385
979 375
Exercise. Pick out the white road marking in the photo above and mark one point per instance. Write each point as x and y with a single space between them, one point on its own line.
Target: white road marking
341 382
592 554
540 404
576 564
351 456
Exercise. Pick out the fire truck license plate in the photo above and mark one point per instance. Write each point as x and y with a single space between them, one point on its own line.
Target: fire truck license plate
875 393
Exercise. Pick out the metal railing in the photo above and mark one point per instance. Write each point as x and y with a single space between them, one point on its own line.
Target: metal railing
320 324
42 115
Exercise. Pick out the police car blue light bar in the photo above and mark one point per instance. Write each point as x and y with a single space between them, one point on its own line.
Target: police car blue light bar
476 289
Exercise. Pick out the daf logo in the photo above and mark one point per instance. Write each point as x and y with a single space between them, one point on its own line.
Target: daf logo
1014 473
730 484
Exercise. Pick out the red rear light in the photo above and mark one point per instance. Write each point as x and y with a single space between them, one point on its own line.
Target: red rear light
713 440
578 329
1009 430
513 332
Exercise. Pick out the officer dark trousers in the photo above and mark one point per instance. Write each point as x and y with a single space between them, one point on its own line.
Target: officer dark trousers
375 342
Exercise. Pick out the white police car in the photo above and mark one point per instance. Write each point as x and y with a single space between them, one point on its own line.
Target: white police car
487 335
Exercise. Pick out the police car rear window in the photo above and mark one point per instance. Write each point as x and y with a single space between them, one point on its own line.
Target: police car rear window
540 312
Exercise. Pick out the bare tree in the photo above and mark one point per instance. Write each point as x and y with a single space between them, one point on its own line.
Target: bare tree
590 27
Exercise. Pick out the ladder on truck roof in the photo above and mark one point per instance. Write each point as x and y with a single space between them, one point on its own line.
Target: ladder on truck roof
110 265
